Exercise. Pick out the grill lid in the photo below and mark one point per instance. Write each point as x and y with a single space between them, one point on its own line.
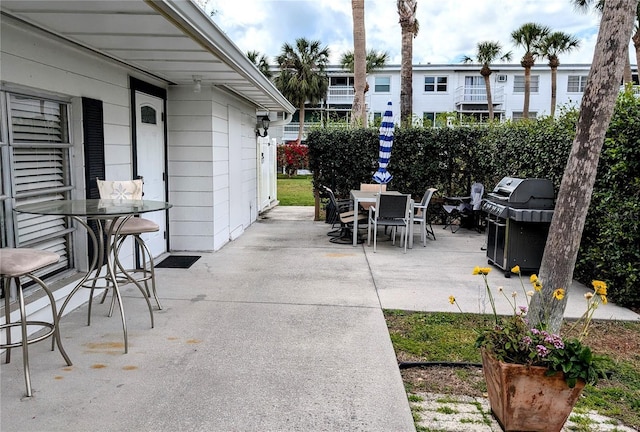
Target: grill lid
531 193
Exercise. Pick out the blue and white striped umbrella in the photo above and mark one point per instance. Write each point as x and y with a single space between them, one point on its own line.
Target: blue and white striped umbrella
382 176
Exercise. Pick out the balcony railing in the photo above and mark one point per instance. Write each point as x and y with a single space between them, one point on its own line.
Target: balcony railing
478 95
340 95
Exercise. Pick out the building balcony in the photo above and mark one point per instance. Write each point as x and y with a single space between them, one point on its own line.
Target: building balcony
340 95
474 98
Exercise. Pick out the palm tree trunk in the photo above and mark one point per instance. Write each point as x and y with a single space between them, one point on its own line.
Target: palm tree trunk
358 111
406 77
554 89
626 78
487 85
596 109
527 92
636 45
301 123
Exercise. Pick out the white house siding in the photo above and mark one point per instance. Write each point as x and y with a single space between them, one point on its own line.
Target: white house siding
212 168
40 64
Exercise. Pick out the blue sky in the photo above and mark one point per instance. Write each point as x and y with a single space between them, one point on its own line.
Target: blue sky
449 29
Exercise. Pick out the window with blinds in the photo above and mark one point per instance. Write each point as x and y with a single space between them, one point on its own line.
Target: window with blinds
39 147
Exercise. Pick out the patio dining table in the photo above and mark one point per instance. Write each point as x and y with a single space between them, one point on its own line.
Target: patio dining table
116 210
359 196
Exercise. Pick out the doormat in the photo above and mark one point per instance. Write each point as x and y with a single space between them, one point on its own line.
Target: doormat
178 261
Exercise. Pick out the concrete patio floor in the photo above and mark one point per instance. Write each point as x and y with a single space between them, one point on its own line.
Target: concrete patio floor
280 330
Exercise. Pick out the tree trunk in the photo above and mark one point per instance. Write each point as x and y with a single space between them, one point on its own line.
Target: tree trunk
596 109
487 85
527 91
301 122
358 111
409 28
554 89
636 45
406 76
626 77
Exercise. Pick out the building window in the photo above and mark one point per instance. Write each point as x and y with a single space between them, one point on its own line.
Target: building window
576 83
383 84
148 115
434 119
36 154
518 83
341 81
517 115
435 84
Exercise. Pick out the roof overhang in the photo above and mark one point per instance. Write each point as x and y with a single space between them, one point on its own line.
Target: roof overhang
172 40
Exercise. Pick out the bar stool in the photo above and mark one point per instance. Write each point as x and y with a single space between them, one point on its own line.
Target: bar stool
22 262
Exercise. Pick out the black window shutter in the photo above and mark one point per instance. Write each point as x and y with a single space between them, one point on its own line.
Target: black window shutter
93 134
93 125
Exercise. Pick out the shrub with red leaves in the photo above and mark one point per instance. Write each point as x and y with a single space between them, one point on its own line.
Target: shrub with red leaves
293 156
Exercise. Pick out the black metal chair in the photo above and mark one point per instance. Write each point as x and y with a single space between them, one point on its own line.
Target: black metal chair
390 210
345 216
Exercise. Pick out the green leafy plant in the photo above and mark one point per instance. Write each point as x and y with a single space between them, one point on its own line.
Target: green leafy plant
512 340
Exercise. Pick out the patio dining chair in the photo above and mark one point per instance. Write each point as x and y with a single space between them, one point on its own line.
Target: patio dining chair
421 215
371 187
390 210
345 216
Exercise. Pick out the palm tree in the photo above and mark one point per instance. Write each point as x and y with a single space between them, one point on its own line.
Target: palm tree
487 53
303 77
358 112
528 36
409 25
574 196
375 60
550 47
261 61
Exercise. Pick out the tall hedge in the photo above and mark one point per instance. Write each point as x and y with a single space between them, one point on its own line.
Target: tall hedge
610 248
450 159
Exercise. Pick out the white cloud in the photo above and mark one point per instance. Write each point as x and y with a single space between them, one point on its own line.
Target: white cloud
448 29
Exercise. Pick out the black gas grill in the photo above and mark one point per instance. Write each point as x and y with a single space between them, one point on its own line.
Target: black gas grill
519 212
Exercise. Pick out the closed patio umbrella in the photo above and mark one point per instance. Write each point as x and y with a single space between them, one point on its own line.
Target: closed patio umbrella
382 176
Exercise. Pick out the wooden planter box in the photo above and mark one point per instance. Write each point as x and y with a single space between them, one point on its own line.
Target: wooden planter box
523 398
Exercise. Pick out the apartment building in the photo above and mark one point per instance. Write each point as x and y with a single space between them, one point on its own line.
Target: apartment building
441 91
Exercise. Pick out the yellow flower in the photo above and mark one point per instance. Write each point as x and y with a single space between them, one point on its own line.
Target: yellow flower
588 295
558 294
481 270
600 287
452 299
604 299
533 279
516 269
537 286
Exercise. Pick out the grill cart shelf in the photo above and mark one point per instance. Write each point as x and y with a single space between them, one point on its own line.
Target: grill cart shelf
519 214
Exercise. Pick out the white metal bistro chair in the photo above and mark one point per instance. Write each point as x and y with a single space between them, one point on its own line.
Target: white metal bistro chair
421 215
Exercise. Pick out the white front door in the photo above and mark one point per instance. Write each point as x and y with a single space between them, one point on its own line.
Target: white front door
150 156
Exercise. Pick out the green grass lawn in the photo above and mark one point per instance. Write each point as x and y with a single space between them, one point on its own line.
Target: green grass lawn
450 337
295 191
